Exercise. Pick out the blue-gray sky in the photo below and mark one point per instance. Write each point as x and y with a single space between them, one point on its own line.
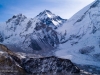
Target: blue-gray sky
31 8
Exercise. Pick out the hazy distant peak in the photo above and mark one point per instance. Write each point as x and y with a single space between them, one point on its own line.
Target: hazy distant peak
17 17
20 15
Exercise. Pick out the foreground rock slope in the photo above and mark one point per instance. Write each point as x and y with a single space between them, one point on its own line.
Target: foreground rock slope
11 61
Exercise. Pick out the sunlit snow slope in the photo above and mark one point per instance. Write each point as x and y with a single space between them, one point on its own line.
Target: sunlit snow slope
83 36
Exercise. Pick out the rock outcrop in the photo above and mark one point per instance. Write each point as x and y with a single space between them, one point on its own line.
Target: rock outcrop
9 62
49 64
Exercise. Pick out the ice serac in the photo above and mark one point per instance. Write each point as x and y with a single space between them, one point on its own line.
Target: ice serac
83 36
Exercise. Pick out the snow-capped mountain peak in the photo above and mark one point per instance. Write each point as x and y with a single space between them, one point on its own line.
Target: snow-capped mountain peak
50 19
48 13
20 15
45 14
20 29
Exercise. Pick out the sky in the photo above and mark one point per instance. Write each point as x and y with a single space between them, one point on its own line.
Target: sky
31 8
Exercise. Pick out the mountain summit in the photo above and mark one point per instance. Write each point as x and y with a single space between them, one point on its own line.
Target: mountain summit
48 18
46 13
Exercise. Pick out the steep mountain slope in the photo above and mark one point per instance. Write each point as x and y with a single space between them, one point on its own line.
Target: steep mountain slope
83 36
32 33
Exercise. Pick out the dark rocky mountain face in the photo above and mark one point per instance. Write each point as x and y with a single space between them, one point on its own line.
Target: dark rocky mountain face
1 38
47 37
